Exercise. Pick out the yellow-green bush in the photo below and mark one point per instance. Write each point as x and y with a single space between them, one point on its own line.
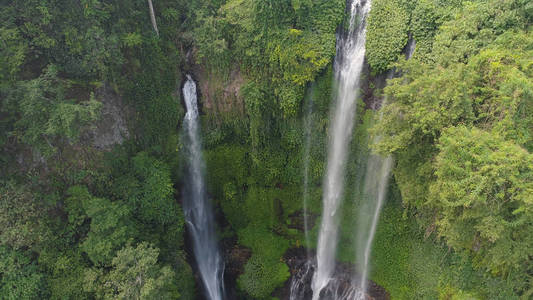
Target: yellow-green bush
387 28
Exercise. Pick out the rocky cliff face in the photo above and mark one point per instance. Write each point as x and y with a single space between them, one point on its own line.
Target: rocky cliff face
111 129
218 93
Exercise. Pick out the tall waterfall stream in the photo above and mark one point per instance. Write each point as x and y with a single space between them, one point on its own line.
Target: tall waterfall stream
375 191
198 211
320 272
348 67
338 286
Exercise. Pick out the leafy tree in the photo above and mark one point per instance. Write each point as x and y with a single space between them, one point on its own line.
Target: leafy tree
155 203
22 217
145 183
483 198
20 278
135 274
476 26
261 276
387 33
460 126
65 273
54 58
43 114
13 52
110 226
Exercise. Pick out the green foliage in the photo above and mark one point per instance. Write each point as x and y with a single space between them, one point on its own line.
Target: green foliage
185 279
145 183
13 52
409 264
451 293
425 20
132 39
277 43
150 88
257 180
290 98
258 214
155 202
20 278
66 276
90 42
483 195
460 126
78 41
21 217
262 277
212 47
260 111
387 33
44 114
478 24
55 57
264 271
110 226
66 118
135 274
392 266
227 176
298 55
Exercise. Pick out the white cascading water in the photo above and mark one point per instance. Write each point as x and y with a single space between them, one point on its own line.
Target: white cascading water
378 171
300 281
348 67
375 190
198 211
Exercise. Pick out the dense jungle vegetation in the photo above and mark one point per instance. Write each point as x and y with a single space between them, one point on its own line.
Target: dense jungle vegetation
83 218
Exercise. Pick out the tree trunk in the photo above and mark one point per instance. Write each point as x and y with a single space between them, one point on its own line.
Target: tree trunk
152 17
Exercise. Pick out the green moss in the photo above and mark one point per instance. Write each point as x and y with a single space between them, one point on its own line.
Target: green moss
261 276
265 270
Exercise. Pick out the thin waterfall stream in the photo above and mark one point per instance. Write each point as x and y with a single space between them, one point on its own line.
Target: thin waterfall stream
376 183
348 67
375 190
198 211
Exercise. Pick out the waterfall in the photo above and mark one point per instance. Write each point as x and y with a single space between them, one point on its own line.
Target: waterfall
348 68
198 212
152 17
300 281
375 191
410 48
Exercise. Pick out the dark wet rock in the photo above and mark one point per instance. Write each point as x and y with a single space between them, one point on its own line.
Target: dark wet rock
302 269
297 220
235 257
372 88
